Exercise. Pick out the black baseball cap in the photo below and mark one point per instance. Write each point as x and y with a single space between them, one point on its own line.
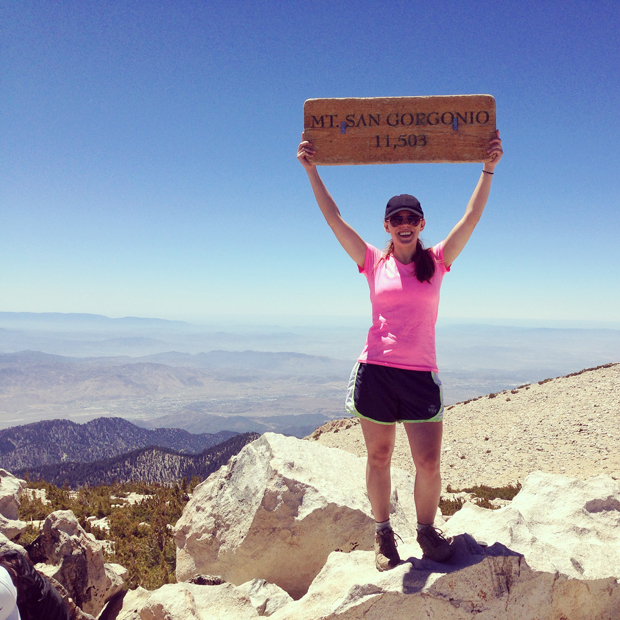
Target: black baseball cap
404 202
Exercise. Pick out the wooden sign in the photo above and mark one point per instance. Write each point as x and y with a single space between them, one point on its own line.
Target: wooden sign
398 130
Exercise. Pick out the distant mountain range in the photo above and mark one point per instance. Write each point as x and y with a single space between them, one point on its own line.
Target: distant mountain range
58 441
71 378
97 335
152 465
77 320
223 363
196 422
114 377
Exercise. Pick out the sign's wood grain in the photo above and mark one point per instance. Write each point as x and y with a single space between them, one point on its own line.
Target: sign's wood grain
394 130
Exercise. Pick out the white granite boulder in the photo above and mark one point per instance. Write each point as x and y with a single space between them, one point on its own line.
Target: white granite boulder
12 528
551 555
11 489
65 552
6 545
116 576
181 601
278 509
265 597
558 523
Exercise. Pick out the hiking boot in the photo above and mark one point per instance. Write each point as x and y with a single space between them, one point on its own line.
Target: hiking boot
386 555
434 545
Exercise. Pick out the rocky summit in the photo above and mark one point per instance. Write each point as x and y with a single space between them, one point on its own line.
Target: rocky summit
283 507
284 530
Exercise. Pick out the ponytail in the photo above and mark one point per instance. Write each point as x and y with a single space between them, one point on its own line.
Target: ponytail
423 261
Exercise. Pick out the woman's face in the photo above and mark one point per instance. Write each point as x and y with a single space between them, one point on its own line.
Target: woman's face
404 231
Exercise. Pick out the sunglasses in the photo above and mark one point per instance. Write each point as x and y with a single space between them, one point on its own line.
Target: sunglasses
398 220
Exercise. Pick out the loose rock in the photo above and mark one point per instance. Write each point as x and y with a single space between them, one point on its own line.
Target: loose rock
181 601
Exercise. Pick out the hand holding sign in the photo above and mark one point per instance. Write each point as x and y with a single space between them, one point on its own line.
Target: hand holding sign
305 153
495 152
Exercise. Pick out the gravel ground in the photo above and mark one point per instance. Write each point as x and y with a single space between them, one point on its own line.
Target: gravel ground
568 425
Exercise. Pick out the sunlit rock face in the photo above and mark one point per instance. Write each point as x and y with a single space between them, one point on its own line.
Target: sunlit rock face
278 509
65 552
558 523
485 583
11 489
553 553
181 601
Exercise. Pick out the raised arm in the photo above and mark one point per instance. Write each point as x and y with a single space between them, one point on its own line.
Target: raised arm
460 234
353 244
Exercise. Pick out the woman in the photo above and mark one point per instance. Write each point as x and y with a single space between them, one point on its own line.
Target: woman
395 378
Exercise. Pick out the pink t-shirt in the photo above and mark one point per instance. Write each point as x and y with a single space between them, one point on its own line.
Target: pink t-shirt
404 312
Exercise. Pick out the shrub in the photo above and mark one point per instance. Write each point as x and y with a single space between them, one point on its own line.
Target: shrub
450 506
485 503
140 532
485 492
29 534
482 497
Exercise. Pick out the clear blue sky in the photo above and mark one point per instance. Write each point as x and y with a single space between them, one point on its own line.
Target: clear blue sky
148 154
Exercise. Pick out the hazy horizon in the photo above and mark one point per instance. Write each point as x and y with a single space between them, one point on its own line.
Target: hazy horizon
335 335
149 368
280 321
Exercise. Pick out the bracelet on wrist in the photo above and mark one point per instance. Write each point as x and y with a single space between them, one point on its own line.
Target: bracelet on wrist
487 172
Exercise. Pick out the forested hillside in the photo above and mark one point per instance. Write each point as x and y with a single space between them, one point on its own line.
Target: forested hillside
57 441
150 465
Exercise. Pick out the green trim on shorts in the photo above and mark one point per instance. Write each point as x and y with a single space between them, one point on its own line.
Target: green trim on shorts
359 415
439 416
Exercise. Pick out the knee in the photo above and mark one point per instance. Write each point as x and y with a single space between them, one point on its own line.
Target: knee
380 458
429 463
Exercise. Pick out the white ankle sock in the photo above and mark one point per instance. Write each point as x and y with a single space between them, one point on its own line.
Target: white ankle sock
382 525
424 526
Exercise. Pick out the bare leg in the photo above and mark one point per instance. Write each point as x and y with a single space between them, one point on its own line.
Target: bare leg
425 443
379 440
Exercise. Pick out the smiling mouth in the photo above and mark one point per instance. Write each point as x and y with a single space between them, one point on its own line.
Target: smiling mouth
405 234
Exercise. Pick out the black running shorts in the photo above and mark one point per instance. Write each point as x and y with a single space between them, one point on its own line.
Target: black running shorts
387 395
